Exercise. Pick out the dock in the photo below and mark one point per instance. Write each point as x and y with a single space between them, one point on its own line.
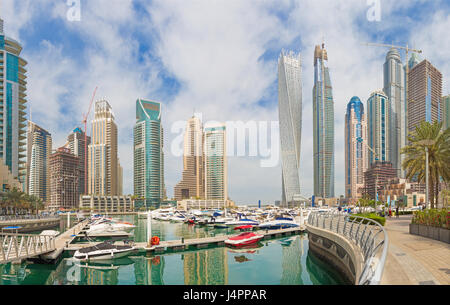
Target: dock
65 239
198 243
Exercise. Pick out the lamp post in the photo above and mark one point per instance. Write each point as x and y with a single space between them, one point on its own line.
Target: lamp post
427 144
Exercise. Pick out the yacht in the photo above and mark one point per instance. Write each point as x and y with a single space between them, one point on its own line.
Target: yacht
103 251
279 223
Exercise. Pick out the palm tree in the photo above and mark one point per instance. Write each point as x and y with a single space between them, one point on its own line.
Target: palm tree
14 199
438 152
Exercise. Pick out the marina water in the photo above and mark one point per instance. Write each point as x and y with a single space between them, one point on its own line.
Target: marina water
284 261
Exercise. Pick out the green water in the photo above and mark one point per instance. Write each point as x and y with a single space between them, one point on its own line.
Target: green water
285 261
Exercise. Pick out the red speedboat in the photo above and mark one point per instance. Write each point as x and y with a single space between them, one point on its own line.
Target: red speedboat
244 239
242 228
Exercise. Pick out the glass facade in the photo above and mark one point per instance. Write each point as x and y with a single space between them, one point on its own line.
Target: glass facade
148 153
290 118
323 127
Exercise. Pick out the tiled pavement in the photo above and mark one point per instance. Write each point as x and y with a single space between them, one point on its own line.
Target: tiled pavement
414 260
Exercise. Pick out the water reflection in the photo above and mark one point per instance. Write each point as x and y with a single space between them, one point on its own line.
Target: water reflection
285 261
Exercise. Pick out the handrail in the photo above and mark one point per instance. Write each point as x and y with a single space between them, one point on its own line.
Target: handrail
369 242
27 217
15 247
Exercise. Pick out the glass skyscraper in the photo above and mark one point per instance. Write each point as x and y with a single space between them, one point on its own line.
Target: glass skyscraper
378 124
290 117
13 122
323 128
355 152
148 153
394 88
216 165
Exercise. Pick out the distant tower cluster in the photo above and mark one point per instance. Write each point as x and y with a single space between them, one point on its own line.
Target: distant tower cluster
323 126
290 118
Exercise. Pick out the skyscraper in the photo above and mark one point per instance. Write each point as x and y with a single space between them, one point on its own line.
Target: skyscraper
216 172
378 123
323 128
355 152
290 117
64 179
13 122
424 94
192 184
445 115
103 159
39 149
76 144
148 152
394 88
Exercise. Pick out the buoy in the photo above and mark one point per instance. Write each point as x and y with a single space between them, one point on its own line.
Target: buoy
155 241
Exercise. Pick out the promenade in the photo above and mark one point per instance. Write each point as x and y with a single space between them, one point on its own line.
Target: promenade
412 259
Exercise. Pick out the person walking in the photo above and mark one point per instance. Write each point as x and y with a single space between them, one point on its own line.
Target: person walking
396 212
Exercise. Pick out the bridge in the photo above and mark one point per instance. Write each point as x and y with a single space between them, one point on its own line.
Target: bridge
17 247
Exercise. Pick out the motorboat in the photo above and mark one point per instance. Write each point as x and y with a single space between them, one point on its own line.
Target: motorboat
244 228
111 226
244 239
279 223
103 251
241 222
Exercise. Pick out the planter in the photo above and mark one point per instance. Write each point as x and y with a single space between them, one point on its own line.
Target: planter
444 235
414 229
423 230
435 233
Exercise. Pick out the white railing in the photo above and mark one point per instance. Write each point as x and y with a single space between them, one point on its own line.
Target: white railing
15 247
365 233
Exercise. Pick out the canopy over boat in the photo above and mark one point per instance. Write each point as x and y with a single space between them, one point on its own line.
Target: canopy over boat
244 227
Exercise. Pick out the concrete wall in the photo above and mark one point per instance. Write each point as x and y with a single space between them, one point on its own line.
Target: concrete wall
336 250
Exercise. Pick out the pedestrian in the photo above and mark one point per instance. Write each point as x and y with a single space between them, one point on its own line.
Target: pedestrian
396 212
390 212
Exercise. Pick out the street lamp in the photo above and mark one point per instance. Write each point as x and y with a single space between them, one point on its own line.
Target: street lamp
427 144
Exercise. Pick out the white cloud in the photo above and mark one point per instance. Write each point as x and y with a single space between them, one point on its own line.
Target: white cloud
213 49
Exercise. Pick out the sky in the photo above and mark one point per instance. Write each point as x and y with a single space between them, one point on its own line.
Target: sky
218 58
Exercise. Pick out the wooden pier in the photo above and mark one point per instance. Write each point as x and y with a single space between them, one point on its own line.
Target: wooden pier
198 243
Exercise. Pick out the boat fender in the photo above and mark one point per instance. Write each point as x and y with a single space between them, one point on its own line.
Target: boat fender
155 241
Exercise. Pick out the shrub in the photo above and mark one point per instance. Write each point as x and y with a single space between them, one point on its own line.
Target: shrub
372 216
433 218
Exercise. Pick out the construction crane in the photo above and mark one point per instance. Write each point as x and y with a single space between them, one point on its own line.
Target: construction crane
85 118
407 50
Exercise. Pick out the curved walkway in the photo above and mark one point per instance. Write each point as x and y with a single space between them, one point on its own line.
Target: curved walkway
412 259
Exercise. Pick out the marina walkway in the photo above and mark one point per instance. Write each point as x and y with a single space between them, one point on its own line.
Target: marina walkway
412 259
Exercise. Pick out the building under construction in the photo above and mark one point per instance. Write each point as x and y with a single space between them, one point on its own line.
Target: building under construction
379 174
64 179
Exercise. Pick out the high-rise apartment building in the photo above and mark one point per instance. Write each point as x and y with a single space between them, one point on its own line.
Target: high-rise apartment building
378 127
192 184
148 152
39 149
290 117
102 158
424 94
13 122
394 88
216 172
64 179
78 144
445 114
355 151
323 126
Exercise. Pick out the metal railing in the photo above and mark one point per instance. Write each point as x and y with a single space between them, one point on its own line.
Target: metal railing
27 217
367 234
14 247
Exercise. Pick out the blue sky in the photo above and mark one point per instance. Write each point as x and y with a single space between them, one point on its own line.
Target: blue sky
217 57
